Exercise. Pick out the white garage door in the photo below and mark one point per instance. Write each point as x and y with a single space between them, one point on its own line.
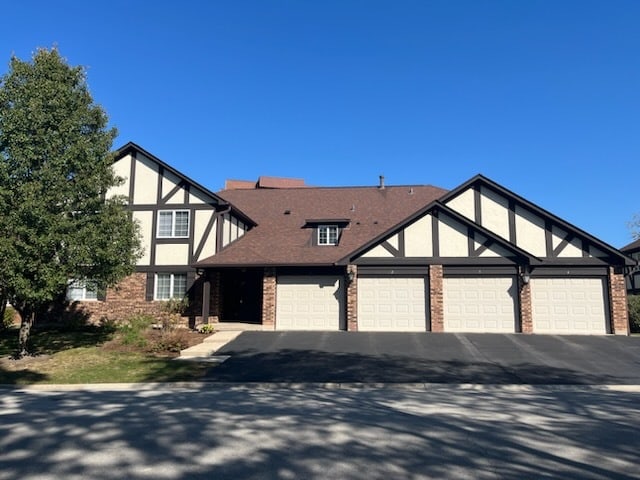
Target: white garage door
309 302
479 304
569 305
392 304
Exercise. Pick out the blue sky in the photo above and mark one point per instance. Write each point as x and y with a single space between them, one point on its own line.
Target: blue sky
541 96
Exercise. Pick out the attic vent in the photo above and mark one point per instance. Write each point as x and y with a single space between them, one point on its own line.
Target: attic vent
381 186
353 208
287 212
411 191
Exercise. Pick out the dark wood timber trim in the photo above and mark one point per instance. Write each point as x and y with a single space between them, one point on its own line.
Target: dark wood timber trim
164 268
585 248
563 244
417 271
132 176
165 198
548 238
477 204
542 272
159 186
512 221
390 248
435 234
465 271
401 243
482 248
487 261
171 240
172 206
205 235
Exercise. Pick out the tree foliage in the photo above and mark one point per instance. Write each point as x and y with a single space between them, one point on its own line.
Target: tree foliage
634 226
55 171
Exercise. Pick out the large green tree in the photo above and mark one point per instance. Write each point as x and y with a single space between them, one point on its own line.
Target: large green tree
56 220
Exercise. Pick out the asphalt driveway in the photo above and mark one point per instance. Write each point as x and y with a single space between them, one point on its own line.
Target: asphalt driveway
429 357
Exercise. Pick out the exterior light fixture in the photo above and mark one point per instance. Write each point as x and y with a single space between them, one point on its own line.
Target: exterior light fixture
525 275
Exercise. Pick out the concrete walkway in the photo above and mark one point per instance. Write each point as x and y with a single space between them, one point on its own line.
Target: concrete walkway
225 332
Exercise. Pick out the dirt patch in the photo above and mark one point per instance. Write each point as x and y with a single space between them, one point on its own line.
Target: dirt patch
16 364
158 342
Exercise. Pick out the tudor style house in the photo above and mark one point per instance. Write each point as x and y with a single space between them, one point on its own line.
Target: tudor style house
478 258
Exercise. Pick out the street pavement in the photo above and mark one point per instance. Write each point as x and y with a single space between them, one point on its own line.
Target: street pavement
429 357
217 431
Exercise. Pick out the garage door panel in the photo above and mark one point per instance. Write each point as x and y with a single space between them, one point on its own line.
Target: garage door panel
308 302
569 305
392 304
479 304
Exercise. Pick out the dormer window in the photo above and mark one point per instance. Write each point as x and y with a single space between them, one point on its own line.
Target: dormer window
328 234
326 231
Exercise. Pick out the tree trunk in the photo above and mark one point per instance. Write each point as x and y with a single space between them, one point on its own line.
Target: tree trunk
3 309
25 332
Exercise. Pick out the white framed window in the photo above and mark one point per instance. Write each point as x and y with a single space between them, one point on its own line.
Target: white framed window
173 224
82 290
327 234
170 285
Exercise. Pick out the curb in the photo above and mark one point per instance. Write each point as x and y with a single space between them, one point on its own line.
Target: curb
206 386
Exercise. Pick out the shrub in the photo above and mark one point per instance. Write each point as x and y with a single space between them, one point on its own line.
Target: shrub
171 341
7 318
172 311
634 313
131 332
206 328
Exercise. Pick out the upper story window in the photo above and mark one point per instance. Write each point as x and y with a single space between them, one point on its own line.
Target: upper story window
82 290
173 223
328 234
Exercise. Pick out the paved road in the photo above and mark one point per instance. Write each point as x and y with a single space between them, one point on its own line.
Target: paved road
235 432
424 357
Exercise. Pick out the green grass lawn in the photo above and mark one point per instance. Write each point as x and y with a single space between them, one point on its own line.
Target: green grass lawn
87 356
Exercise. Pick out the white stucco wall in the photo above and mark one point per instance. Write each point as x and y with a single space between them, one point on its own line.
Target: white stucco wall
530 234
172 254
464 204
495 212
145 220
418 238
146 181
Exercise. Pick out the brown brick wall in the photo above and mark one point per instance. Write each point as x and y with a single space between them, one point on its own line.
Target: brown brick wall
269 298
352 299
526 313
618 303
436 301
122 301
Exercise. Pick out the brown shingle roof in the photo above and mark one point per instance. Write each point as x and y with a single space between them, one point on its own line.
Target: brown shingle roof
633 246
282 239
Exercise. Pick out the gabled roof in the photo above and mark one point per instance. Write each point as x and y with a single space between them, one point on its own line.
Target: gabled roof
133 147
281 238
632 247
482 180
438 206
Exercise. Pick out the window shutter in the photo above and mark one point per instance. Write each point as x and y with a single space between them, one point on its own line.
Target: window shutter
149 289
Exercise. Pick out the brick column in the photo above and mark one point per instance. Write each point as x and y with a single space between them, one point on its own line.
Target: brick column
215 299
352 299
618 303
526 313
269 298
436 305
